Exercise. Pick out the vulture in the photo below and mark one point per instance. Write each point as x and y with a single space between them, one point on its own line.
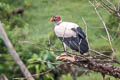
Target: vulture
70 34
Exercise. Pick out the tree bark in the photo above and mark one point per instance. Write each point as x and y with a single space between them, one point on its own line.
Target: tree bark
14 54
3 77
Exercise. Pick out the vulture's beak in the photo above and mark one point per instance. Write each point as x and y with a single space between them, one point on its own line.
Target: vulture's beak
51 19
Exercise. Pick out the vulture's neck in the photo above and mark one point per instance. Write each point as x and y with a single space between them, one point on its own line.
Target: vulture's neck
57 22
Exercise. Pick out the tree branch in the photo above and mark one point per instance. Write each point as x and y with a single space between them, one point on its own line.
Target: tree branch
3 77
14 54
96 65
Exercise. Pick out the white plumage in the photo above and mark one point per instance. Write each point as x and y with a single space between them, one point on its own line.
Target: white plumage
64 29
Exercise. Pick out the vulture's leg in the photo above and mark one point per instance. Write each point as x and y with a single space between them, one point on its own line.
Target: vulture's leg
64 46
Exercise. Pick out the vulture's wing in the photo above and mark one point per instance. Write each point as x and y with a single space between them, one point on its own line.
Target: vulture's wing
79 32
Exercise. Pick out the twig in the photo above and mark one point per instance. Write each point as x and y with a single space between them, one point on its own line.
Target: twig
42 73
86 31
118 29
111 4
107 7
63 44
43 47
112 59
14 54
108 35
43 61
103 37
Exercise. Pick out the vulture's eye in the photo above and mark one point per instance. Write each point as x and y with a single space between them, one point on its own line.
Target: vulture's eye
55 17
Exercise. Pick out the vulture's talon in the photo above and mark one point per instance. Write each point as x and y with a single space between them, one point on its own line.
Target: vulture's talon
66 58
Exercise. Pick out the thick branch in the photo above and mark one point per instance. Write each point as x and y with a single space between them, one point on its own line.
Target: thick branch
91 63
14 54
3 77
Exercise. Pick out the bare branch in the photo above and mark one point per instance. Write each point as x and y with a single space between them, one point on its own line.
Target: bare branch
14 54
86 31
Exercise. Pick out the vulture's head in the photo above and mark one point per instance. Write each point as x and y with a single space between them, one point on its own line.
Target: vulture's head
55 19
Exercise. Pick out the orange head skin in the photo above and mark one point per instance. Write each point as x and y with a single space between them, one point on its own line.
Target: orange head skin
55 18
51 19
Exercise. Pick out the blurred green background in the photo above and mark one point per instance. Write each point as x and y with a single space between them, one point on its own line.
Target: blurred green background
31 28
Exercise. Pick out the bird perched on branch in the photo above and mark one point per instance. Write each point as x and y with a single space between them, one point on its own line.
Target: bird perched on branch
70 34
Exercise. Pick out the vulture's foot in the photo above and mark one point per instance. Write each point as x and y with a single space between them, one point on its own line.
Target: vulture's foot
66 58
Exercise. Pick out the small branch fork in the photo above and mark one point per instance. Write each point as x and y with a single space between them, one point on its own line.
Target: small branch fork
110 7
